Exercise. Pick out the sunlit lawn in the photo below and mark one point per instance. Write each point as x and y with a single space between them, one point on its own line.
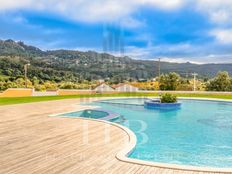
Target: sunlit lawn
18 100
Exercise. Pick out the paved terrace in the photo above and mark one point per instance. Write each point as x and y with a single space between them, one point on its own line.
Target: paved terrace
32 142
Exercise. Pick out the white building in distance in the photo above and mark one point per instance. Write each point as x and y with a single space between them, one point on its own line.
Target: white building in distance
125 88
103 88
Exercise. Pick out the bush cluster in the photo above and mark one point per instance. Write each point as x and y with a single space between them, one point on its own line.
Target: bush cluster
168 98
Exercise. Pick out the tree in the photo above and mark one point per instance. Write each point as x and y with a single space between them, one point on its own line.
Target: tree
117 79
50 85
68 85
21 83
39 87
35 81
169 81
222 82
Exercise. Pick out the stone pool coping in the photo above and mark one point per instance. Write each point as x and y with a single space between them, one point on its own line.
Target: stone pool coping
123 154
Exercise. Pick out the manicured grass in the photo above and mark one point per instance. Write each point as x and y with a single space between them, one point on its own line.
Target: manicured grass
216 96
18 100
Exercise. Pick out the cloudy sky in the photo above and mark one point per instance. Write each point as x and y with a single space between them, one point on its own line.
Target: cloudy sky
174 30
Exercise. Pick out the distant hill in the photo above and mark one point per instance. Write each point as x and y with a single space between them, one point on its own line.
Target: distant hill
60 65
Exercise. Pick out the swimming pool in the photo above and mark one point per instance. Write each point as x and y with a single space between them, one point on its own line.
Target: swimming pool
94 114
197 134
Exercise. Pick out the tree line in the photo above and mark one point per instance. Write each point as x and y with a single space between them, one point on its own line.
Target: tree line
169 81
172 81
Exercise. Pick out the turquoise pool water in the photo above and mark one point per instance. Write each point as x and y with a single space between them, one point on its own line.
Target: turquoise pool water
89 113
197 134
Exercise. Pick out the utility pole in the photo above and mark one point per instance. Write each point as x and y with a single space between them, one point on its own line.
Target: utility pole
194 81
159 72
25 73
159 68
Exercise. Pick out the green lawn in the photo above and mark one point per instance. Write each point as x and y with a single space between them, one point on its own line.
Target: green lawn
18 100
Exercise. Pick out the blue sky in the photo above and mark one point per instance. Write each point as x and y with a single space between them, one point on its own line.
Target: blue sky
176 30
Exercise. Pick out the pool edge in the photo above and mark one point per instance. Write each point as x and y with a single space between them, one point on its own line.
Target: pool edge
122 154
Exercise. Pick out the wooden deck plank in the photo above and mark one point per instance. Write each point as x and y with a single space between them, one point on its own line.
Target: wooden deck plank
32 142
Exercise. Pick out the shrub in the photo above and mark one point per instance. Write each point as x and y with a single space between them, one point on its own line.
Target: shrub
169 81
168 98
185 87
68 85
222 82
50 85
39 87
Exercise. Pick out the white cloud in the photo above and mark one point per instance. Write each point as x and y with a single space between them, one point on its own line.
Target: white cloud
152 51
146 54
179 60
219 11
90 11
171 4
11 4
218 58
138 53
223 36
130 22
182 53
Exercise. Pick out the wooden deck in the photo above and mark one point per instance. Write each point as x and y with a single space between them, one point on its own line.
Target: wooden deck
32 142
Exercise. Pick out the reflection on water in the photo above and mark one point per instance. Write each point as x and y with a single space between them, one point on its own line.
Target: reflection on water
222 121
